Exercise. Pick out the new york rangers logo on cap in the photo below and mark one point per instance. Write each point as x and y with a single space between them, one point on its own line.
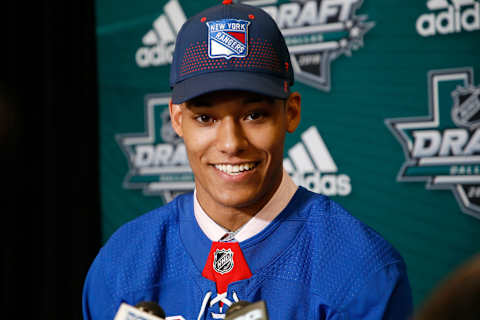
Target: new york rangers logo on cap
228 38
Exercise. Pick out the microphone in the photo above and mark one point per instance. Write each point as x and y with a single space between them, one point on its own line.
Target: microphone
243 310
152 308
142 311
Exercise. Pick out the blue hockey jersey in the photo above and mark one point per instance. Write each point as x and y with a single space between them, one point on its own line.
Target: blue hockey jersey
314 261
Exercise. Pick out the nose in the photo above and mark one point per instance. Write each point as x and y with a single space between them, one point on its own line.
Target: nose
231 139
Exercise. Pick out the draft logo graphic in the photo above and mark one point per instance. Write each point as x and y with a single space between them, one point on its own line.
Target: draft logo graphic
317 32
446 17
157 158
443 148
310 165
228 38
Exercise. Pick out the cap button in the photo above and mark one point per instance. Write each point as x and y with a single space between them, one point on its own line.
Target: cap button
227 2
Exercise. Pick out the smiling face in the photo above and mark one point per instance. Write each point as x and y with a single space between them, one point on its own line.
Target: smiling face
234 142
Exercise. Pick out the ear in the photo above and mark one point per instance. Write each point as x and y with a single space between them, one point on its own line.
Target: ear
176 115
292 109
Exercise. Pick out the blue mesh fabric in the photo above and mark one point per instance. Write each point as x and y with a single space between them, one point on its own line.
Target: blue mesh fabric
314 261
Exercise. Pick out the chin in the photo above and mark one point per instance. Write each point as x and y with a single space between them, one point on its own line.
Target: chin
235 200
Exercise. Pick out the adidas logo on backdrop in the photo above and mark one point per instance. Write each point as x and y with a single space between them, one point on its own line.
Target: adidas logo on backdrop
158 44
310 165
447 17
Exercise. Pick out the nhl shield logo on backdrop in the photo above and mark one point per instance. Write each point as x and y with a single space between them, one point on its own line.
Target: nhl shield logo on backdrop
466 111
228 38
223 261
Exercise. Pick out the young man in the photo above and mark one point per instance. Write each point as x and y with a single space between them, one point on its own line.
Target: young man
247 232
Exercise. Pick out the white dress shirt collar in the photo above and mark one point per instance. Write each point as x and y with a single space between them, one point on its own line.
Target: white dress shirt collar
257 223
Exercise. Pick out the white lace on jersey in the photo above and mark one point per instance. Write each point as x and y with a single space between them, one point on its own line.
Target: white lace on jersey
219 298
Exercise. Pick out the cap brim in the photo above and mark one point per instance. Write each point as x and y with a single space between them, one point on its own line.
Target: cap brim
230 80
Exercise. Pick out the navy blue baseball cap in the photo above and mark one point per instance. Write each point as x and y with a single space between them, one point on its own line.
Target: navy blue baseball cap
230 47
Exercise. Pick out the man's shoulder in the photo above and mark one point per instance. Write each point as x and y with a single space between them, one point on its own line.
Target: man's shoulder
340 246
331 223
150 223
141 248
328 221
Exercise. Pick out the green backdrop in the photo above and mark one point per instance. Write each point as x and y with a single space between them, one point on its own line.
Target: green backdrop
390 111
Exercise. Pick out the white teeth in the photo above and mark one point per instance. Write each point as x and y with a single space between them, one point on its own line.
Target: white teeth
235 169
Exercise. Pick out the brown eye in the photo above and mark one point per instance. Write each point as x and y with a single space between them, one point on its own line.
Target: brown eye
254 116
203 118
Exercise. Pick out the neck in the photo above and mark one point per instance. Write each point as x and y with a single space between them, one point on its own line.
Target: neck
234 217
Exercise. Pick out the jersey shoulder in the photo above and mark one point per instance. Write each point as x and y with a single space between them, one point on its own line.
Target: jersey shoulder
145 251
335 253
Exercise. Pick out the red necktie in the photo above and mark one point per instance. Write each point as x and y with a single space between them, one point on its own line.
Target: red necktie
226 264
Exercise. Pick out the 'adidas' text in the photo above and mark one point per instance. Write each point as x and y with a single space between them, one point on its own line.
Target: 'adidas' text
461 15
